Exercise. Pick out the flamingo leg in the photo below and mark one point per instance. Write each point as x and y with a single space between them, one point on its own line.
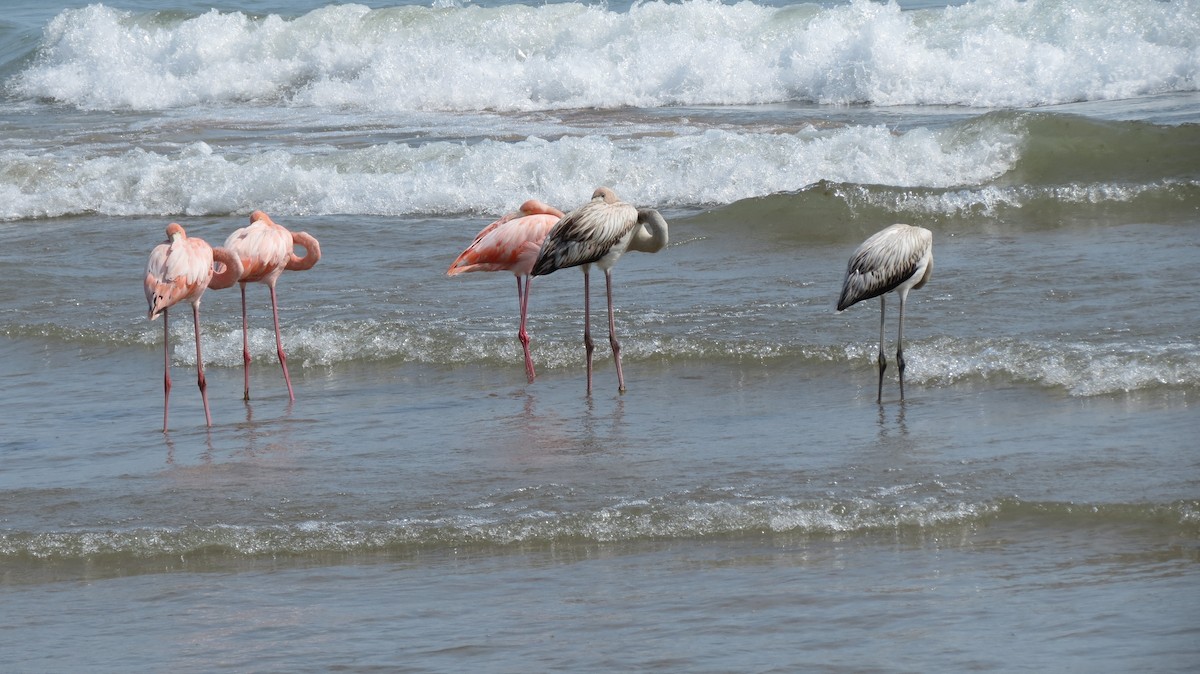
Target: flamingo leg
882 358
279 342
523 300
587 327
200 364
166 370
612 331
900 343
245 345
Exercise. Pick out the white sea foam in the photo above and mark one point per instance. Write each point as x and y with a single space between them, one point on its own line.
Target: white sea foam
990 200
1078 367
984 53
673 516
1082 369
705 167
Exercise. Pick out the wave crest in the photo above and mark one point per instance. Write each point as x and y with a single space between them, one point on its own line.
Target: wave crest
988 53
677 517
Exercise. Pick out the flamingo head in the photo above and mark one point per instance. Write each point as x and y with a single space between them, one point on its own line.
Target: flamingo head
606 194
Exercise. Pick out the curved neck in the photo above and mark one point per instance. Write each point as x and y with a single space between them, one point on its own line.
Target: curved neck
230 269
651 236
312 252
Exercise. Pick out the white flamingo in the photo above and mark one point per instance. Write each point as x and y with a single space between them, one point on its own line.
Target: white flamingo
599 232
896 259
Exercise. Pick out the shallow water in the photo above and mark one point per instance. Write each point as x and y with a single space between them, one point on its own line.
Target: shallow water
746 505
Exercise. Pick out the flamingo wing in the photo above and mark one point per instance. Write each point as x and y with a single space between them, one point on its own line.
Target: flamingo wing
505 245
884 262
264 250
586 235
177 271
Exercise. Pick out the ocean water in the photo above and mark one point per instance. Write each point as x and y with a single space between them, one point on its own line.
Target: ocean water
746 506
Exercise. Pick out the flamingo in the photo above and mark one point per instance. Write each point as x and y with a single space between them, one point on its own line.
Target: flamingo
511 243
896 259
266 250
180 269
600 232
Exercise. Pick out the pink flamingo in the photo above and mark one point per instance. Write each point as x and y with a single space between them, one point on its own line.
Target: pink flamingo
600 232
266 250
511 244
180 269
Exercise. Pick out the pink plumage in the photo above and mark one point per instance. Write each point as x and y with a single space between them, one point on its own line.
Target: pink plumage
180 269
511 244
266 249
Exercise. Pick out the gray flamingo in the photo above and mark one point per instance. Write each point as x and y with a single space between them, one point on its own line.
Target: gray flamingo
896 259
600 232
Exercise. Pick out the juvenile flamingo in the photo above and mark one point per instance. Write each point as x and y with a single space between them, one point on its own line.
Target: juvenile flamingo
180 269
511 244
266 250
600 232
896 259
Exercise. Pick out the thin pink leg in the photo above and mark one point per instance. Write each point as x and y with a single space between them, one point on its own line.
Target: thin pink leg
523 301
245 345
587 328
612 332
200 364
166 370
279 342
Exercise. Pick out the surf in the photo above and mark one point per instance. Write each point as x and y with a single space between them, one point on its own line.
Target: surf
988 53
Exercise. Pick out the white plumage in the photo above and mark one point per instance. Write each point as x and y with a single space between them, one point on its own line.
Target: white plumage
896 259
600 232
